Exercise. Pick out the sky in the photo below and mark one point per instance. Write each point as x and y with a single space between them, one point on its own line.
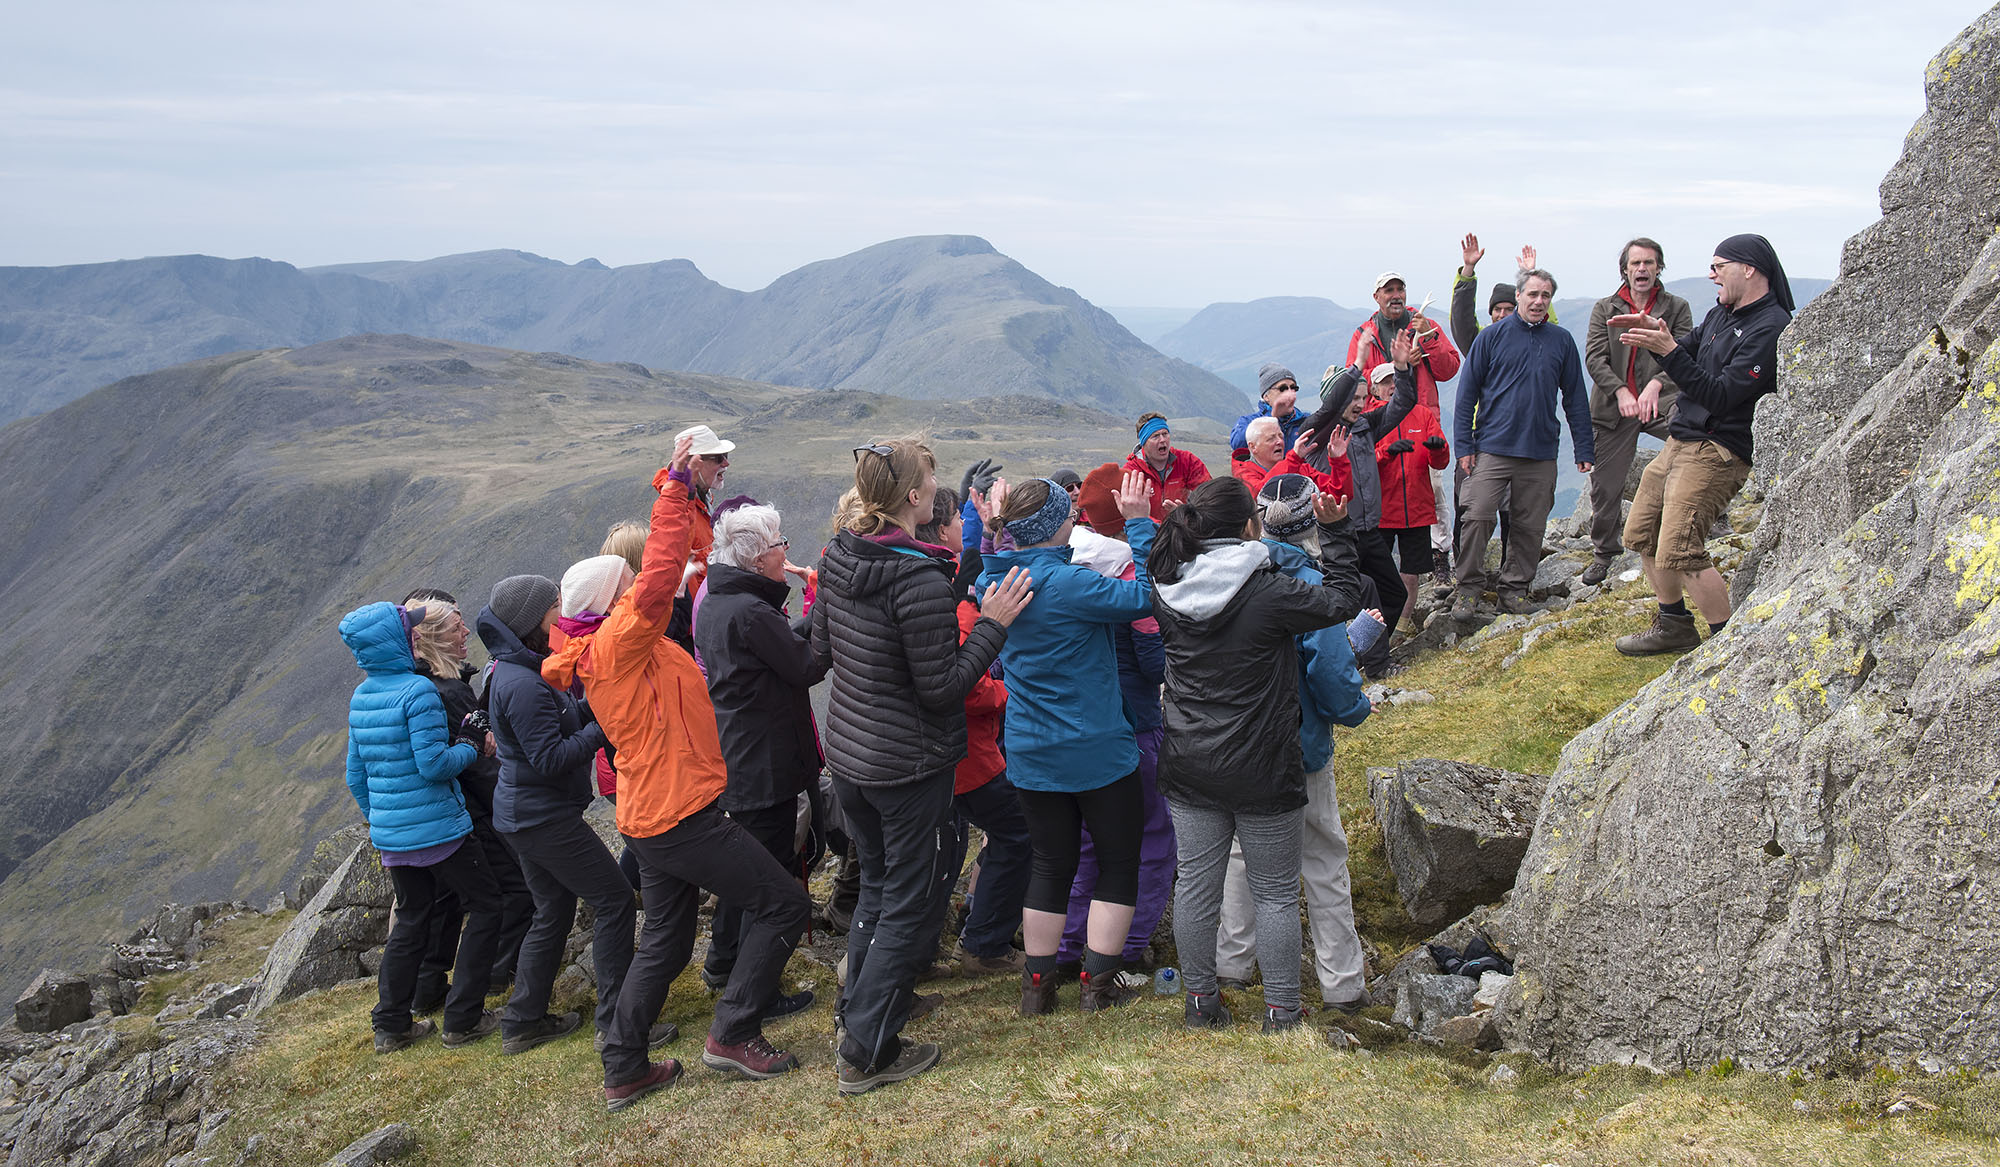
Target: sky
1164 154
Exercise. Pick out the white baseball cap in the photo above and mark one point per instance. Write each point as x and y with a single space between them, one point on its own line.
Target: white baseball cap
1385 369
705 441
1387 277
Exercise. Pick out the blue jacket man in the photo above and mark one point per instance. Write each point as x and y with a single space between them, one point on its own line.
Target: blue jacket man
1276 388
1522 377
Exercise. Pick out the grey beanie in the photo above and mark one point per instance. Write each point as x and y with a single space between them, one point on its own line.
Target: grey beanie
1502 294
1271 374
520 602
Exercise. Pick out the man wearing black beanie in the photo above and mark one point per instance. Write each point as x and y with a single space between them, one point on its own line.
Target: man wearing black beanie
1724 367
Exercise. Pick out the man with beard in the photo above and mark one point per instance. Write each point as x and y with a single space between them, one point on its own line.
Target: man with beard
1630 393
1436 359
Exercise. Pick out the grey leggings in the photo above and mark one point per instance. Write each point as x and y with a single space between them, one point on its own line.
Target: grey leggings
1271 859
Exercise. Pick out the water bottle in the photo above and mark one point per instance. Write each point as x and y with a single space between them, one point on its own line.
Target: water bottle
1166 982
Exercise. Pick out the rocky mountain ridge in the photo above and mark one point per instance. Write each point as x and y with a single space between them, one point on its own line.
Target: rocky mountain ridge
933 317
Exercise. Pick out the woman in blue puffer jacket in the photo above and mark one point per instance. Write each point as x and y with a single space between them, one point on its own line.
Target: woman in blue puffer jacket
403 768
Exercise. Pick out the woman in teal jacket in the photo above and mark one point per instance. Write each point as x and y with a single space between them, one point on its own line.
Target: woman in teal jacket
1070 752
403 767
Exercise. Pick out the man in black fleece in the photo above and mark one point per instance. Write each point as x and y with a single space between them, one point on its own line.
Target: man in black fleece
1724 367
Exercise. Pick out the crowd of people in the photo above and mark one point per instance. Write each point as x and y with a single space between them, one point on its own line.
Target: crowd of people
1125 679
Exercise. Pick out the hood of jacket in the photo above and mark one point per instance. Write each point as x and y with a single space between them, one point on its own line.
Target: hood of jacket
374 633
727 579
1212 579
856 567
1292 560
1100 553
501 643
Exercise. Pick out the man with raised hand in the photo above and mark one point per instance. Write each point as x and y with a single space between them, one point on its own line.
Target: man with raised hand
1278 397
1723 368
1522 376
1436 360
1630 394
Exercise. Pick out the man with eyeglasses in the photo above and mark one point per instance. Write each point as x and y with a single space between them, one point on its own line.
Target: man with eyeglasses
1522 376
705 473
1723 368
1630 394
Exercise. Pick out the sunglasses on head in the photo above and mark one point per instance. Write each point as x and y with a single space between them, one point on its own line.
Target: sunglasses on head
884 451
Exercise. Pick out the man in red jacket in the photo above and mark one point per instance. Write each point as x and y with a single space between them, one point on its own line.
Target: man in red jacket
1405 459
1172 473
1437 360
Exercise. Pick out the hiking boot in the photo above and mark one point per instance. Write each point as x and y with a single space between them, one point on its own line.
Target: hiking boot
1105 991
1668 633
1278 1019
1206 1011
1595 573
1038 994
1011 961
660 1034
388 1043
1514 604
1233 984
941 969
714 982
922 1005
658 1076
784 1006
540 1031
914 1060
752 1058
1352 1005
489 1021
1465 607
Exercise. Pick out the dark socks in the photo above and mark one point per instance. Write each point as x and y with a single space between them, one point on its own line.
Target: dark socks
1042 965
1677 608
1097 964
1717 627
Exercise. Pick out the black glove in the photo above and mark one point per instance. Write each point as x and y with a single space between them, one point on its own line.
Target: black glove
980 476
1434 442
1400 446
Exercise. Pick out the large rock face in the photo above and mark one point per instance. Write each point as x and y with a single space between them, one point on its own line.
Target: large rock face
1782 849
1454 833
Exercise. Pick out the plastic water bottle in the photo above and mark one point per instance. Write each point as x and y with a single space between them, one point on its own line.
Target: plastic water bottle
1166 982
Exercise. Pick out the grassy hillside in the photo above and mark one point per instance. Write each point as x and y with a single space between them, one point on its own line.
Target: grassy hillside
1133 1086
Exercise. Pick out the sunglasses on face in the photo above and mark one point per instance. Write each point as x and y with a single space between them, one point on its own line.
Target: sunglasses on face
718 459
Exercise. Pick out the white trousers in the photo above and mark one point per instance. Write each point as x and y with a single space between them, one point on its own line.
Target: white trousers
1323 866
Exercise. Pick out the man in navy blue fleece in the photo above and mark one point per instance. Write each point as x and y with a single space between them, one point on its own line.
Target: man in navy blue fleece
1521 378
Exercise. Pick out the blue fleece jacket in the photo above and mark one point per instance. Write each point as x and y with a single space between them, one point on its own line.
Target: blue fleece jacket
401 766
1066 726
1508 392
1239 437
1329 682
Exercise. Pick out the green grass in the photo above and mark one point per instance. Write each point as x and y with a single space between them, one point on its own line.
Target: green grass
1132 1085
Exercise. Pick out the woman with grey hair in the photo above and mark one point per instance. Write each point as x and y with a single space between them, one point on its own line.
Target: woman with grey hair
760 669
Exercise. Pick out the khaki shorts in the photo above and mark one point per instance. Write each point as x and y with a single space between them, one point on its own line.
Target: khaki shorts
1680 496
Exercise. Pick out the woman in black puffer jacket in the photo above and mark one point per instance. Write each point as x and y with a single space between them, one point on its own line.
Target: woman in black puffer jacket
886 626
1230 766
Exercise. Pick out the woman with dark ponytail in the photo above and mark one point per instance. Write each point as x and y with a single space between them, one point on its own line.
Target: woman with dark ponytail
1070 751
1231 766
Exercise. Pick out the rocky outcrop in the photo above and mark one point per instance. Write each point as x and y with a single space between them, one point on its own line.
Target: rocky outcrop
51 1001
332 934
1454 833
1781 850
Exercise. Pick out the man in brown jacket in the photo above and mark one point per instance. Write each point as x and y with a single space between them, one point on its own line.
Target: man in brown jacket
1630 394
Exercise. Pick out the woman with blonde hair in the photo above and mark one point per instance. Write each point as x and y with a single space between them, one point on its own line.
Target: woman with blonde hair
886 626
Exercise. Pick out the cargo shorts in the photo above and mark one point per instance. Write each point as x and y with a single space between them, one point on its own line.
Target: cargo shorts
1680 496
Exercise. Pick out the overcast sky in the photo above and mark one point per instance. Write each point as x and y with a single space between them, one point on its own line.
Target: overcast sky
1165 153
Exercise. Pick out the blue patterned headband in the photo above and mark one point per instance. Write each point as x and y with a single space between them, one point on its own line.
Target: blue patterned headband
1042 526
1152 426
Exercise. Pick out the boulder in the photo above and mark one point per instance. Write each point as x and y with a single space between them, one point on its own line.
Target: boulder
1454 832
379 1146
51 1001
1472 1031
324 945
1780 851
326 859
1426 1000
104 1111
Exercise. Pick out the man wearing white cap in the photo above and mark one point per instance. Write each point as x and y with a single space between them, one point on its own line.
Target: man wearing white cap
711 461
1437 360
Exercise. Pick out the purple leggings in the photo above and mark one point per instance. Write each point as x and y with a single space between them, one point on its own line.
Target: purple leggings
1156 865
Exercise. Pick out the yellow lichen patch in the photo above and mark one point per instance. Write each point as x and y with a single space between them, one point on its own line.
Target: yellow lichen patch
1975 557
1698 705
1885 578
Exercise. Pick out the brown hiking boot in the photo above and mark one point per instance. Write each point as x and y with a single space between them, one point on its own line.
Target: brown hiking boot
1105 992
1669 633
1038 994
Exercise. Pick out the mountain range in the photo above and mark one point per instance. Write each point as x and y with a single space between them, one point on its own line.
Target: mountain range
178 548
932 317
